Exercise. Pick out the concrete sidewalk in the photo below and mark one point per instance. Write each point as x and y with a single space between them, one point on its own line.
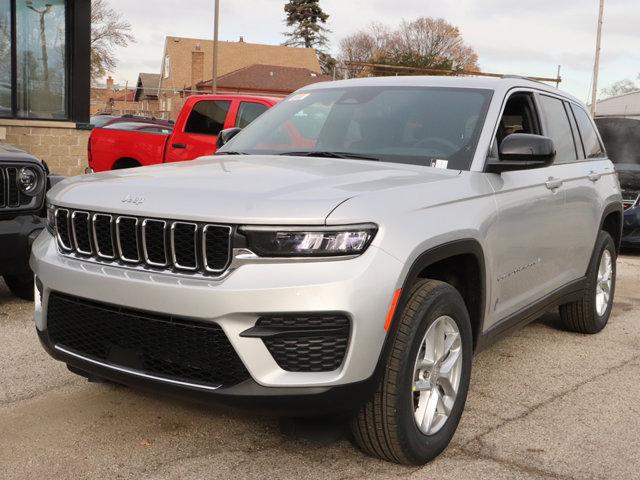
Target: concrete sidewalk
543 404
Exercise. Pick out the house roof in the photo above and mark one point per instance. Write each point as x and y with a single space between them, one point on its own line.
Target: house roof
127 95
232 56
148 84
268 78
627 104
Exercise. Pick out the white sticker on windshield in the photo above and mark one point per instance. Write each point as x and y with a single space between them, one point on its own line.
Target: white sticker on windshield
440 163
298 97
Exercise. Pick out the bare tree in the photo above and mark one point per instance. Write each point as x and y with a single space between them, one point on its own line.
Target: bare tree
108 31
422 43
621 87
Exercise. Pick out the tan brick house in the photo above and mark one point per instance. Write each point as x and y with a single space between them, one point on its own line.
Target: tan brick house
189 61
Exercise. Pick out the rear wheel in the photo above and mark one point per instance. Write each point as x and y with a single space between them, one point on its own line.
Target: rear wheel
590 313
419 401
20 285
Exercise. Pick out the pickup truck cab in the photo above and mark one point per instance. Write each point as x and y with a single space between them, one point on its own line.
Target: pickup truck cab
195 133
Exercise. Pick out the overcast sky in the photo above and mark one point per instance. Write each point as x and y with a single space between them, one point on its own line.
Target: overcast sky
510 36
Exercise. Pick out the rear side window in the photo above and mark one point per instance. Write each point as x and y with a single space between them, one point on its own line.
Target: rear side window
592 146
248 112
559 129
207 117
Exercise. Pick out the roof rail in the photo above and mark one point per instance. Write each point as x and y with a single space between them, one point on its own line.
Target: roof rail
522 77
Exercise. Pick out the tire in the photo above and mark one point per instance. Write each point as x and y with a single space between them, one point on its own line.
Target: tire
20 285
386 426
586 315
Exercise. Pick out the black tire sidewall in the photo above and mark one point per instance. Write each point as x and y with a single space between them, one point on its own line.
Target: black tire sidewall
20 285
605 242
419 446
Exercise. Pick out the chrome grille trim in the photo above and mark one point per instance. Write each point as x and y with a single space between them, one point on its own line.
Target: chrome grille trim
78 214
204 248
183 248
94 219
61 243
145 252
119 243
174 258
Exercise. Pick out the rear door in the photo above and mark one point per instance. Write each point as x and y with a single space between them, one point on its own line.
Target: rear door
198 135
580 172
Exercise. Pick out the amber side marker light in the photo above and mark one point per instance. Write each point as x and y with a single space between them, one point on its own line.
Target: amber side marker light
392 309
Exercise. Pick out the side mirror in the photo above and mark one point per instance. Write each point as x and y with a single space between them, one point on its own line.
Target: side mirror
225 135
523 151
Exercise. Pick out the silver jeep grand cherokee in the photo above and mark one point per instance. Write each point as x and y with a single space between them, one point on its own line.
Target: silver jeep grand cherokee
349 251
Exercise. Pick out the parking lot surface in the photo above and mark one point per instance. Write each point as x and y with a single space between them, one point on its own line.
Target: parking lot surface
543 404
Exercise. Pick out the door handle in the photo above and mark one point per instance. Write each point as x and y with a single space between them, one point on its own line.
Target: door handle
553 183
594 177
179 145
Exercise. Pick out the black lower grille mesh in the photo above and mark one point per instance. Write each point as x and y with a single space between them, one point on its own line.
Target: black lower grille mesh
157 345
316 343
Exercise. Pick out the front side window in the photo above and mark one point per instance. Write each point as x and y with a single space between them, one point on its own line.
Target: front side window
208 117
592 146
559 129
415 125
5 58
248 112
41 59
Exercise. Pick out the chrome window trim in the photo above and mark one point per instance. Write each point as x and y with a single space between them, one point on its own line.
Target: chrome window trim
204 247
119 243
144 243
95 235
176 264
66 248
136 373
73 230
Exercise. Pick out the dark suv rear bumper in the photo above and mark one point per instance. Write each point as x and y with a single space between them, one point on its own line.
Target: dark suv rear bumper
295 401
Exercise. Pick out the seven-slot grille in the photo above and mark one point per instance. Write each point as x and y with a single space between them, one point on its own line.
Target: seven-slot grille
153 243
10 194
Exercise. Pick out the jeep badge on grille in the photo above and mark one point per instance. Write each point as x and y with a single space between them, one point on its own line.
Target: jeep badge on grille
133 200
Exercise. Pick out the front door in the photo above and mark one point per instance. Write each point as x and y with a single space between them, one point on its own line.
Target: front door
530 224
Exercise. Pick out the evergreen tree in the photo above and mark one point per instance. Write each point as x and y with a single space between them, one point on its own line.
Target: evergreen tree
307 19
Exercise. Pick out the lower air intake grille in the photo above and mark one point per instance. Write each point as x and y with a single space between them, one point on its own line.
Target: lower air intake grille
157 345
298 343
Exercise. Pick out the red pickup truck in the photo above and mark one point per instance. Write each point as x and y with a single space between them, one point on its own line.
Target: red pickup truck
195 133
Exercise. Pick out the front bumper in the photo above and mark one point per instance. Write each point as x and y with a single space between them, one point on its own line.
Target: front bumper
16 237
361 288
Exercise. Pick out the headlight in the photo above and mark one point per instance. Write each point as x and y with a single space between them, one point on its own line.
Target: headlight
309 242
29 181
51 219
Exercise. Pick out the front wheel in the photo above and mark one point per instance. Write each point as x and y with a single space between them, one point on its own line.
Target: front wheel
20 285
420 398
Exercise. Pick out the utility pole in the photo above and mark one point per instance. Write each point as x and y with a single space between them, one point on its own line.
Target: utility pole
596 65
214 78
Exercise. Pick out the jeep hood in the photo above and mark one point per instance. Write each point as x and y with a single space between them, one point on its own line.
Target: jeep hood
239 189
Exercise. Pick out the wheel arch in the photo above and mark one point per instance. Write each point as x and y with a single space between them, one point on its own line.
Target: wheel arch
611 222
125 162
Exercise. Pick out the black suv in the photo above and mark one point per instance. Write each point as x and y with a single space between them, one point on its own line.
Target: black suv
24 181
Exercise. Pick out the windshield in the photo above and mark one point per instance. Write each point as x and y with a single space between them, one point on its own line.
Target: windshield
416 125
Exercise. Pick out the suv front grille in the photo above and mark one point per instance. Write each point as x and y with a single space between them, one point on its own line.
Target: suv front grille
158 345
163 245
10 194
304 343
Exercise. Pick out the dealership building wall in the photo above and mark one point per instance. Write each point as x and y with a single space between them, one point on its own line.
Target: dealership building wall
45 80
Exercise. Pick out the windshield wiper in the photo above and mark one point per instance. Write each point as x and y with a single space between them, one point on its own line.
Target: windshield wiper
231 152
329 154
